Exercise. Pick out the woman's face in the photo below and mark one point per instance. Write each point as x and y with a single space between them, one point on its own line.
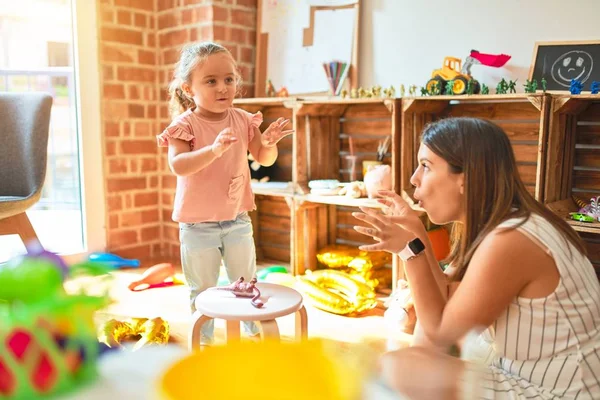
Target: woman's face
438 190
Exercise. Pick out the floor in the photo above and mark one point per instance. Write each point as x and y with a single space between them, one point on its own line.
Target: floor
172 305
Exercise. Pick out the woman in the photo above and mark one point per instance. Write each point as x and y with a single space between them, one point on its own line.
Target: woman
520 273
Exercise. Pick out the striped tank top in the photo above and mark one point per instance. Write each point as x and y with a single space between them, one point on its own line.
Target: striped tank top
548 348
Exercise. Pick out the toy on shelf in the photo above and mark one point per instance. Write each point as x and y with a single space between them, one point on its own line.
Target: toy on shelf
575 87
512 86
595 87
530 86
390 92
449 89
113 260
412 90
485 89
270 89
344 93
355 189
471 87
453 70
143 331
402 90
544 83
47 338
502 87
378 177
240 288
588 212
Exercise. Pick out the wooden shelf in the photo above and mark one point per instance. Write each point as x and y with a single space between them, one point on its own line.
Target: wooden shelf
589 227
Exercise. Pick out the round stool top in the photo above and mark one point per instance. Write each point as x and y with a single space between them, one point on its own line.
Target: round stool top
278 301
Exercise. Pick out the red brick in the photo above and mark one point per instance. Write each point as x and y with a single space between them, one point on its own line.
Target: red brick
251 37
173 38
115 54
136 111
219 33
206 33
108 73
122 238
167 20
151 112
134 93
145 199
166 4
192 2
111 129
149 165
243 17
139 4
150 39
121 35
169 182
118 166
126 129
171 233
150 216
113 221
247 55
134 166
220 14
134 74
107 16
147 57
133 218
236 35
123 17
170 56
138 252
138 146
142 129
150 233
128 201
153 182
114 203
110 149
114 91
141 20
125 184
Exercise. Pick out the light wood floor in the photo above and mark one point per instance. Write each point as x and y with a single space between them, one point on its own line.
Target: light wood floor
172 305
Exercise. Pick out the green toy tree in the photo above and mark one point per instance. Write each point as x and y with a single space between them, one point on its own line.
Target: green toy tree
485 89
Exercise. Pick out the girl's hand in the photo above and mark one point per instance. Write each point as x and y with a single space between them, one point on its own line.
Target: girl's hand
223 142
274 133
392 228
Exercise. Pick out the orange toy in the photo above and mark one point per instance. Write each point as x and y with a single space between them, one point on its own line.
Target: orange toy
153 276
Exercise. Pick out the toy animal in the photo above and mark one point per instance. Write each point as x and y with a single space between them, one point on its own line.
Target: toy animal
244 289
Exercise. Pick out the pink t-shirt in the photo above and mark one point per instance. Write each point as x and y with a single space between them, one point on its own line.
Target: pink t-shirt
222 190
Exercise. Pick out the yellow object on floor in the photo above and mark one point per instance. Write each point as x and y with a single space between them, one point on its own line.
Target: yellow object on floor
317 370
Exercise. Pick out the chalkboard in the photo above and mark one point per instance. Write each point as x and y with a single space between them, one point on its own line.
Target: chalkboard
559 62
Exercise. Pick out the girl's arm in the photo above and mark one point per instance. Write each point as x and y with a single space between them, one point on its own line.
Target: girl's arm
263 146
184 161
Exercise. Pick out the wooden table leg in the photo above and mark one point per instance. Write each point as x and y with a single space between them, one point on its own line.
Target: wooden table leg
268 329
301 324
233 331
194 337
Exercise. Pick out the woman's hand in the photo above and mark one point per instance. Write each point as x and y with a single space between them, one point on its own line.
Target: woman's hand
392 228
274 133
223 142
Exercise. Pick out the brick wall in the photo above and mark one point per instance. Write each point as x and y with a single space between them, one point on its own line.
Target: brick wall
139 43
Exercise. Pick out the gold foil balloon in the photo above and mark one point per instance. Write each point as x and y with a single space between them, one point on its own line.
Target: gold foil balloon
146 331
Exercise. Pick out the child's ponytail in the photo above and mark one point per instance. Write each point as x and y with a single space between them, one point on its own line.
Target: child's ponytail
178 100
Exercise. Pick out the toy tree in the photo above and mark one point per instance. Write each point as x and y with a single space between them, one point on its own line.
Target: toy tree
595 87
512 86
485 89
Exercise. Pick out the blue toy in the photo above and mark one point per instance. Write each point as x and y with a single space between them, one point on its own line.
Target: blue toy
576 86
595 87
113 260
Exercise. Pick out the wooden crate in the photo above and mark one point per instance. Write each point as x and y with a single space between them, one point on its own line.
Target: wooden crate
524 117
324 131
573 166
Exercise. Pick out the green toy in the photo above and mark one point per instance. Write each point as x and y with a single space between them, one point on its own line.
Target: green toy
449 87
502 87
512 86
470 87
485 89
262 274
544 84
424 91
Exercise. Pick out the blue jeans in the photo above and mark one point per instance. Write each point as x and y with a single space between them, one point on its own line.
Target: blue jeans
204 245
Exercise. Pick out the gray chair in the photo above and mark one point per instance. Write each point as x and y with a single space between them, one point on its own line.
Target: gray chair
24 127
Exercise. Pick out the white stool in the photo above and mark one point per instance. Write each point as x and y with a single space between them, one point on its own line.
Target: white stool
278 301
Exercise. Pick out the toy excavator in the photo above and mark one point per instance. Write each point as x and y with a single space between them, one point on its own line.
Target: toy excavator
460 76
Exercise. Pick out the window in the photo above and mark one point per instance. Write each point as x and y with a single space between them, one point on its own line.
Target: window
63 62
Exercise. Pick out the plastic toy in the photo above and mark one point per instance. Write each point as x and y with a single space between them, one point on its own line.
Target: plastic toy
402 90
502 87
344 93
454 70
512 86
263 273
470 86
544 84
576 87
449 90
412 90
595 87
243 289
270 89
113 260
159 275
530 86
35 250
485 89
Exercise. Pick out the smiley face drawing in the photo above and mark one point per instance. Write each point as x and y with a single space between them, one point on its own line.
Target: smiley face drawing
575 64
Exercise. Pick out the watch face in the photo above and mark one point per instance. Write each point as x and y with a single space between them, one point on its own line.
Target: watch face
416 246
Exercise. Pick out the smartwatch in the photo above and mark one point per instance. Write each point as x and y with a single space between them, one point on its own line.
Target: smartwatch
413 249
